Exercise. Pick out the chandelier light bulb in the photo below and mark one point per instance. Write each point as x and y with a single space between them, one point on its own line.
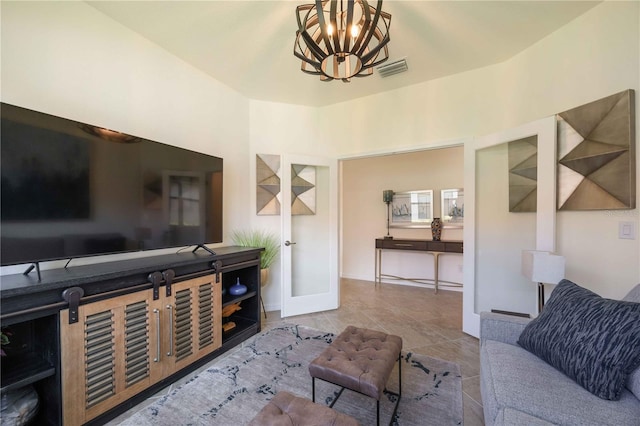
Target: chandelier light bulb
340 39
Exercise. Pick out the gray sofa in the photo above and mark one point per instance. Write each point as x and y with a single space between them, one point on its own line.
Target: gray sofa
518 388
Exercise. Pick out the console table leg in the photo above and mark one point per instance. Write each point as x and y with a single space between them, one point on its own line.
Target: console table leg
378 267
436 255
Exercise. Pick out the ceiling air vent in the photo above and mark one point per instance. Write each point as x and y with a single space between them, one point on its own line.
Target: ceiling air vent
391 68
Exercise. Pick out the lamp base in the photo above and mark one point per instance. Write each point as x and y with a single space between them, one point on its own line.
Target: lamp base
540 297
388 237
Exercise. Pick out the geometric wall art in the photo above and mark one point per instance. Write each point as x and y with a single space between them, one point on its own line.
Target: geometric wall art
303 189
268 191
523 174
596 155
268 195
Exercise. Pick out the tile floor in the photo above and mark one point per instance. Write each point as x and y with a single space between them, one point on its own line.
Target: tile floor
428 323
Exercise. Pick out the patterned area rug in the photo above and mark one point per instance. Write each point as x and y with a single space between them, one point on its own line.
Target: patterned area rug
237 385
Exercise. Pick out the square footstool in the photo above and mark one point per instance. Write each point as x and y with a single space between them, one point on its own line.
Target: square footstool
361 360
286 409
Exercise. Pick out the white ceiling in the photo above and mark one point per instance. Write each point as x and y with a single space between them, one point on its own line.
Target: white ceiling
248 45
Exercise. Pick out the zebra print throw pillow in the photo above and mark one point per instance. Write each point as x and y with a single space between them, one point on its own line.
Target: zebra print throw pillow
594 341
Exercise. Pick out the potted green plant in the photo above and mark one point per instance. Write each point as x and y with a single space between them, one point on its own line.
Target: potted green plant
259 238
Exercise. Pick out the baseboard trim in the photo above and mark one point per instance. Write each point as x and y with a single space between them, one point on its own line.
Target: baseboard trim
514 314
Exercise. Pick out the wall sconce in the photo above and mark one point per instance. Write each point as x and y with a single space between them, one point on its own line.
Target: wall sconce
387 197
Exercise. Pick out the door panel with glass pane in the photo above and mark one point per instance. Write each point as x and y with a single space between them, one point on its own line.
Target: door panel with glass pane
310 273
501 234
509 207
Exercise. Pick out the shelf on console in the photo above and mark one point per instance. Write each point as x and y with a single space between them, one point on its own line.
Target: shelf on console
241 325
228 299
19 371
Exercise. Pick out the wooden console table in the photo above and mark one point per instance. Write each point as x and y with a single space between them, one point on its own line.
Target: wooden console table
435 248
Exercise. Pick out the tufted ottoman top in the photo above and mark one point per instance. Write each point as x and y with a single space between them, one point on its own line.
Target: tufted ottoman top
359 359
286 409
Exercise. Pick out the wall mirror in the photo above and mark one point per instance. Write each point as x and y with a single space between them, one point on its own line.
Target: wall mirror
412 209
452 207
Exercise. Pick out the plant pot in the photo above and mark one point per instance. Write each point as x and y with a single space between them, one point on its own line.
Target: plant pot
264 277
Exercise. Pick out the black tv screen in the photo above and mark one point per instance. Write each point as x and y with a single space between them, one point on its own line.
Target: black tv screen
70 189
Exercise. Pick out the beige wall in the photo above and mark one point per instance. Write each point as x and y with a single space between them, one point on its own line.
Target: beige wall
596 55
364 215
69 60
593 56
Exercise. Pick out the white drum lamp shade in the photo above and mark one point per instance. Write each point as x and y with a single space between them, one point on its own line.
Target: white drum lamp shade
542 267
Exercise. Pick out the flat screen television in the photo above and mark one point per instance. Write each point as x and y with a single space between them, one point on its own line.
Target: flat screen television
71 190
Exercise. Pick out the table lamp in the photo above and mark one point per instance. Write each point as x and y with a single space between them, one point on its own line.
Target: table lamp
387 197
542 267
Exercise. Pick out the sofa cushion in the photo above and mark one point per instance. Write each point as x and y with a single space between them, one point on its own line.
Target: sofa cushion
633 382
513 378
510 417
593 340
633 295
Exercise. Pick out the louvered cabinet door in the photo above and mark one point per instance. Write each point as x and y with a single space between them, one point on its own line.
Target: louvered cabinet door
195 314
108 355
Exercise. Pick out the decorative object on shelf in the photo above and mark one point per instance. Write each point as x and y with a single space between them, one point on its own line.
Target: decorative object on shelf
412 209
229 325
19 406
230 309
542 267
268 184
596 159
340 39
259 238
226 313
436 229
523 175
237 289
387 198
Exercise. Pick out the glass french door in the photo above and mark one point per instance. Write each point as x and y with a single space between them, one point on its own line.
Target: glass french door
309 235
510 207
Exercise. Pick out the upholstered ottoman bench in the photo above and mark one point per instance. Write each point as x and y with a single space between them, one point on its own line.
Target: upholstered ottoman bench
286 409
361 360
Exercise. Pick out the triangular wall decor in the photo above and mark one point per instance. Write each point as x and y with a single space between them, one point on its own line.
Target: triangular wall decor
523 174
267 184
268 187
597 142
